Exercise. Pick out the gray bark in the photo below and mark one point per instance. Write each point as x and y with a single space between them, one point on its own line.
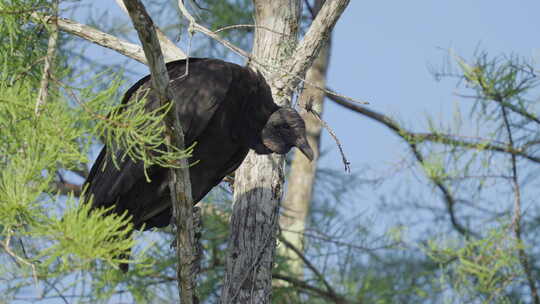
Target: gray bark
43 92
297 202
259 180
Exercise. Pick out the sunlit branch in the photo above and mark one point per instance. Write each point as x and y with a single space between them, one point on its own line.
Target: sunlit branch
412 140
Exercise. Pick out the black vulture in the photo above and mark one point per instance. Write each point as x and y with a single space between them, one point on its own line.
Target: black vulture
226 109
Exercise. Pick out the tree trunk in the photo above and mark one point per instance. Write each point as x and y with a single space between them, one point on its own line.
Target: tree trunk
301 179
259 180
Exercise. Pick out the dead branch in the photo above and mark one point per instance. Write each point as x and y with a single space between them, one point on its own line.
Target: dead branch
91 34
135 51
43 93
311 10
346 162
67 188
179 181
306 51
307 288
516 220
412 139
5 244
239 26
310 265
194 26
169 49
431 137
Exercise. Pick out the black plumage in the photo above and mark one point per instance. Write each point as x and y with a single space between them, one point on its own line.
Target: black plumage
226 109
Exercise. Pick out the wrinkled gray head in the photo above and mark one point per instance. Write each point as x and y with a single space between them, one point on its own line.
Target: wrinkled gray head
285 129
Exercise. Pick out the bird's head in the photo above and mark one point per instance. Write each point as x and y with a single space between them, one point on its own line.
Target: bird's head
283 130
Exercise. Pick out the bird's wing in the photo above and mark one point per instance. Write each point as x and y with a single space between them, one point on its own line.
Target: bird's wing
197 97
197 94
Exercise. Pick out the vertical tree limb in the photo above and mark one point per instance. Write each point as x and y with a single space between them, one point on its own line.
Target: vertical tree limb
516 221
179 182
259 180
43 93
297 202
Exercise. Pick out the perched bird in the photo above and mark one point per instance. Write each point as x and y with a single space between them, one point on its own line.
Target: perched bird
226 109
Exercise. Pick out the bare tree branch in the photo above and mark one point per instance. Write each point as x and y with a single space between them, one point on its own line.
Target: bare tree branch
311 267
310 9
194 26
431 137
91 34
43 93
305 287
412 140
179 182
24 11
5 244
344 159
516 221
67 188
306 51
128 49
170 50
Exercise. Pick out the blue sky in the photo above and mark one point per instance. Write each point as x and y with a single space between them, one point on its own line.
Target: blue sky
382 51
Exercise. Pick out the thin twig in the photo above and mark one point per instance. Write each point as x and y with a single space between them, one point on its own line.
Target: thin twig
30 10
25 71
195 26
236 26
199 6
438 138
346 162
135 51
266 69
7 249
310 9
86 108
60 295
310 265
333 240
43 93
412 139
310 289
516 221
334 93
169 49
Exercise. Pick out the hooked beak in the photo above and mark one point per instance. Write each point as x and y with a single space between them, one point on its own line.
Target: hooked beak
305 148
